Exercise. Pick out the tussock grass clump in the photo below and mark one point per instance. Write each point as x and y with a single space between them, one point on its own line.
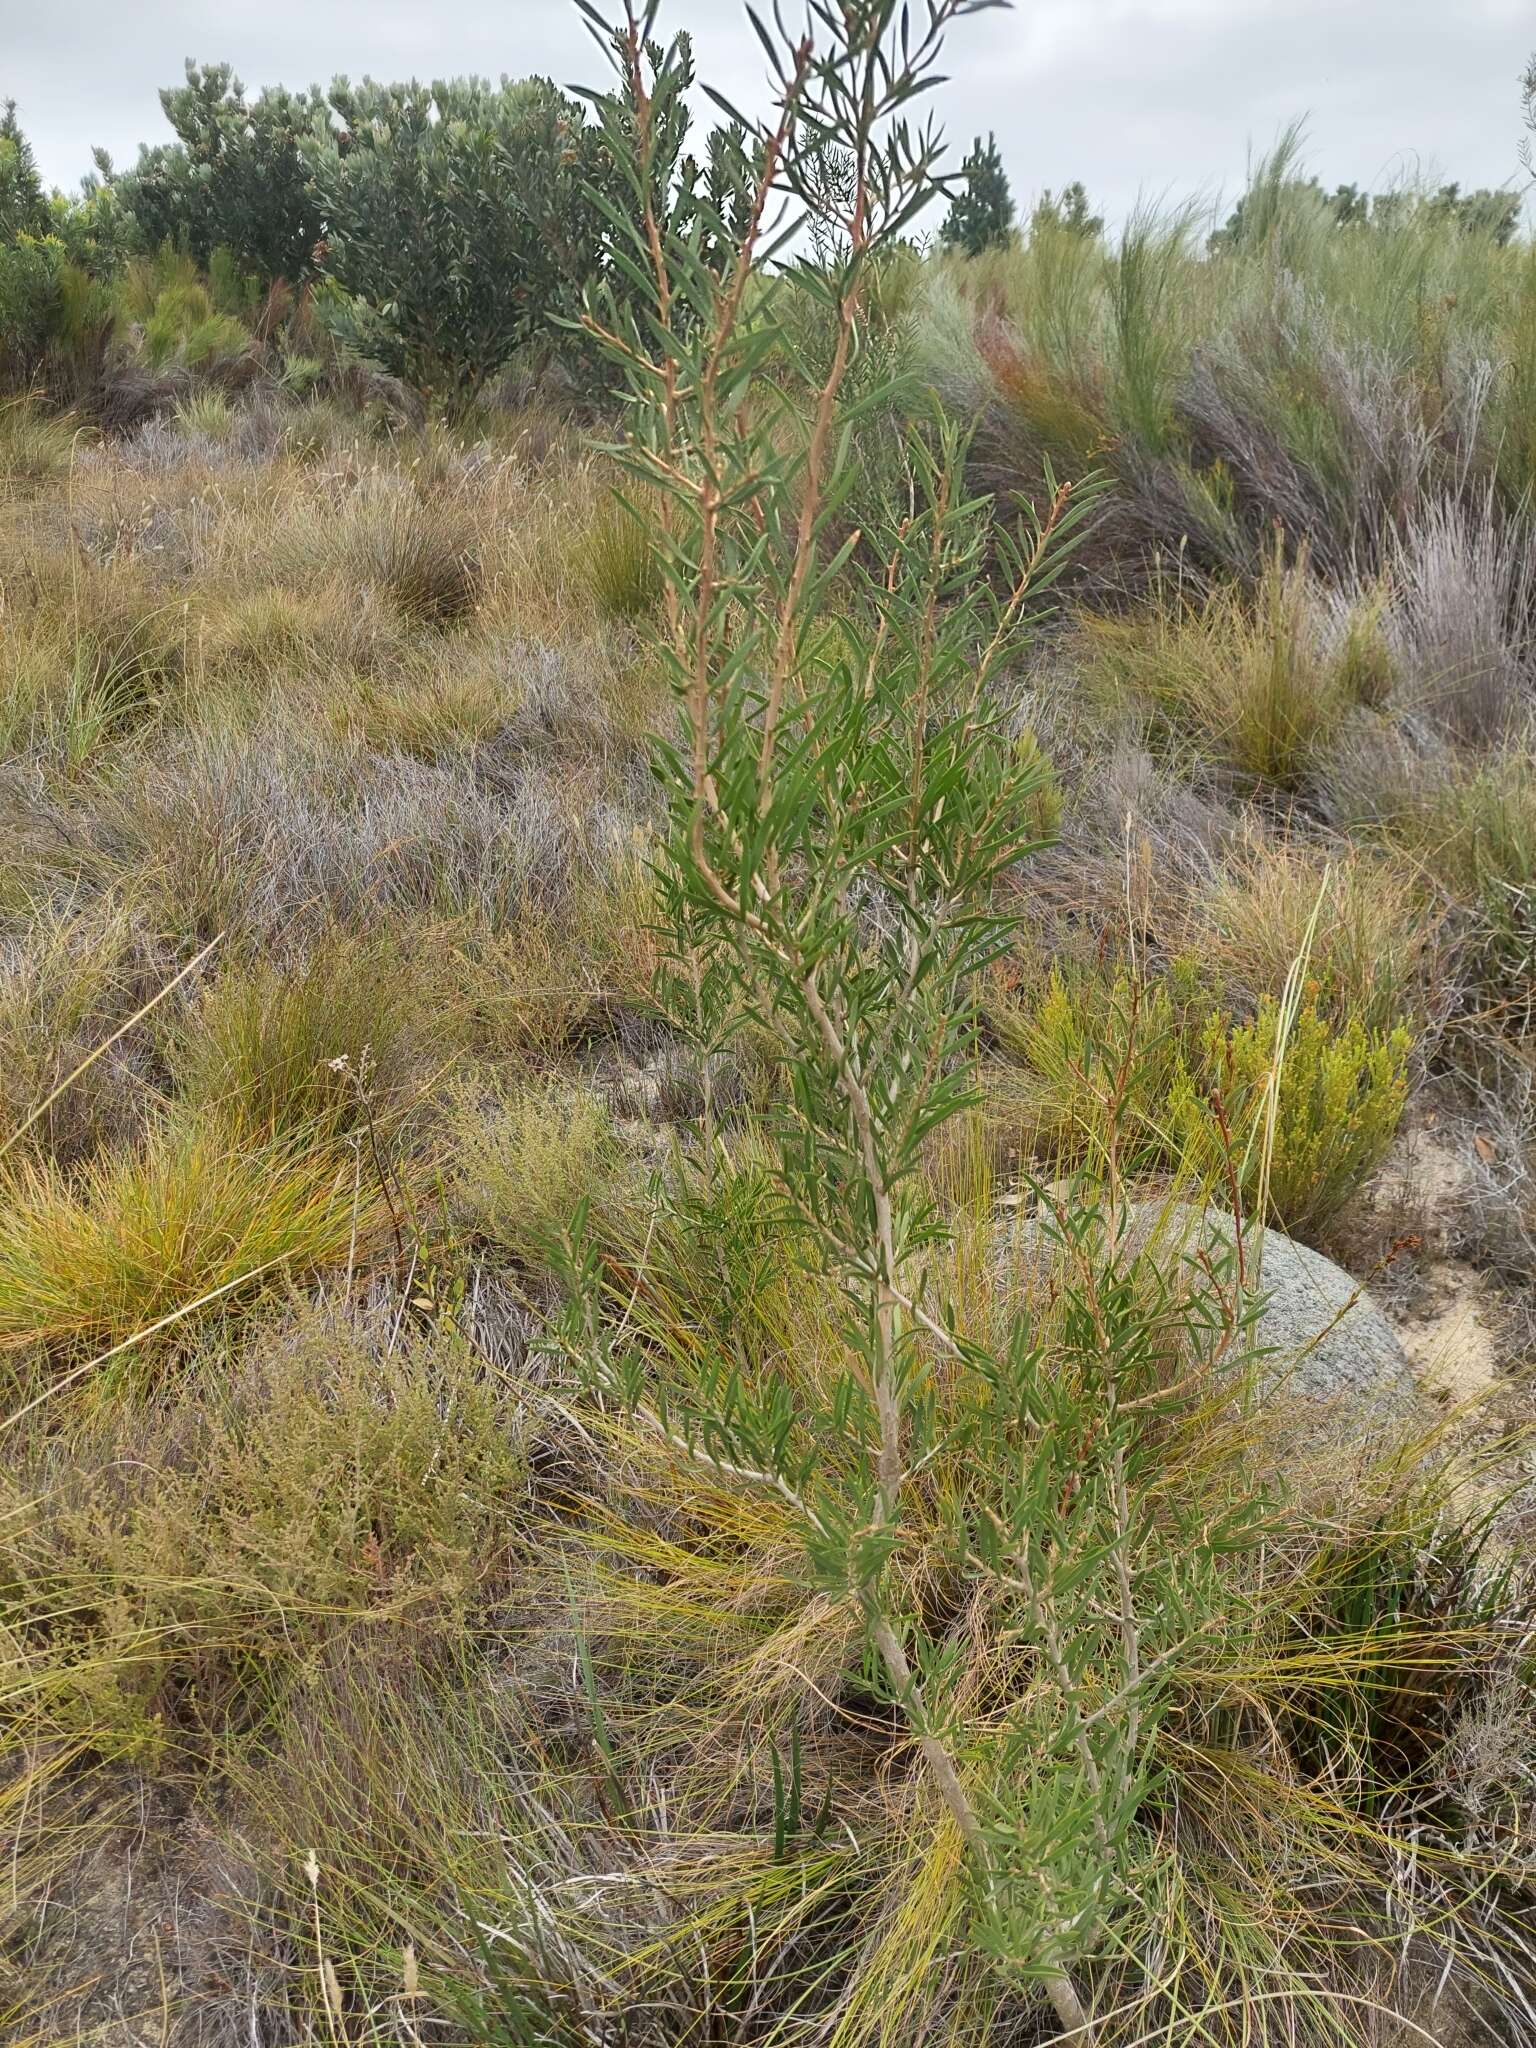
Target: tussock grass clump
1462 618
1470 827
281 829
1253 683
553 977
271 631
208 413
35 445
1376 949
94 653
619 562
1337 380
313 1048
90 1260
67 984
422 551
429 706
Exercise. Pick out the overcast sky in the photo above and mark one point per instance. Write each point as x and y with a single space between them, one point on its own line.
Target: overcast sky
1147 98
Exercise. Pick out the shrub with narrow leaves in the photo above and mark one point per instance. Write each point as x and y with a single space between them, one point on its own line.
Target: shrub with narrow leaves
1314 1105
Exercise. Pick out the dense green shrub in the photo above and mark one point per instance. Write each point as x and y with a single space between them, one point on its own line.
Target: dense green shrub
54 317
29 279
23 209
981 213
235 175
94 227
457 218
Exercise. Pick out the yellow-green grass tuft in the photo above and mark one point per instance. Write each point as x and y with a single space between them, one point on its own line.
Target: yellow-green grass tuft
1255 684
139 1237
620 561
313 1048
35 446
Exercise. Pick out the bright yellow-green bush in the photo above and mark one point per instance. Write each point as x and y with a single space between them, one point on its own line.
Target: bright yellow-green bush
1311 1110
1308 1112
1095 1048
186 326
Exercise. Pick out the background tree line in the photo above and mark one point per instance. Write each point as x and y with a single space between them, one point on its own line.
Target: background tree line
438 229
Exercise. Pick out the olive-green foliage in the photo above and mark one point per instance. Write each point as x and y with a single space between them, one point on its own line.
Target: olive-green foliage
179 312
529 1150
185 326
29 280
235 176
457 217
93 224
23 209
53 315
796 789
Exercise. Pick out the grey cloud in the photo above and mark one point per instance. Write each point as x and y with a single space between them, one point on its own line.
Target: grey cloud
1136 97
